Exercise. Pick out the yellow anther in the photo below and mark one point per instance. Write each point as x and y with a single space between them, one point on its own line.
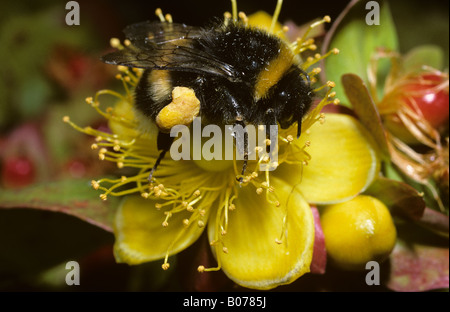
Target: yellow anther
232 207
278 241
190 208
290 138
95 184
120 165
225 250
331 84
259 149
145 195
327 19
254 174
123 69
158 206
186 222
94 146
259 190
316 70
115 43
165 224
159 13
127 42
202 212
200 223
197 193
336 51
116 148
165 266
66 118
243 17
103 196
201 269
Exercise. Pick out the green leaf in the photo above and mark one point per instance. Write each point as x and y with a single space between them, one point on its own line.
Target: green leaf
366 110
430 55
358 42
73 197
401 199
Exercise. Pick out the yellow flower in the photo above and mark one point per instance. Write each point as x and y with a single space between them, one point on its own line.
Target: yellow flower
261 229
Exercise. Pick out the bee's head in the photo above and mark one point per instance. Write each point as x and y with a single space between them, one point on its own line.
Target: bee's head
290 99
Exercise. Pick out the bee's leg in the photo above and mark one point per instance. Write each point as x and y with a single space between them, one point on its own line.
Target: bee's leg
270 120
299 123
244 166
164 141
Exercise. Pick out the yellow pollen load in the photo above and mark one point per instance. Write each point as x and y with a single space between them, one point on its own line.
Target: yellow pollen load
181 111
270 75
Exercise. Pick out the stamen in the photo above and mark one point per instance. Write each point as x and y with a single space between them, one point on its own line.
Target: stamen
234 10
243 18
276 14
115 43
227 18
159 14
169 18
325 19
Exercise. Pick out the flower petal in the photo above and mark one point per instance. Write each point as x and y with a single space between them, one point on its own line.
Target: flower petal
141 237
254 259
344 160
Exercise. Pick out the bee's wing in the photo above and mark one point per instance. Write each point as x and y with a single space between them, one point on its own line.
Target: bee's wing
169 46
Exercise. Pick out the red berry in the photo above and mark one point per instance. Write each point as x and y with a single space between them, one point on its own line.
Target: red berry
429 94
17 172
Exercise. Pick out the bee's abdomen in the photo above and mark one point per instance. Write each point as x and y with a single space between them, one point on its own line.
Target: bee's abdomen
153 92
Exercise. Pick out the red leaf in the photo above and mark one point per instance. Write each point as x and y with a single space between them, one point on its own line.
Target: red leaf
319 260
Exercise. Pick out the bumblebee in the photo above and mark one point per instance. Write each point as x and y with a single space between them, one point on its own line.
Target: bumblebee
227 73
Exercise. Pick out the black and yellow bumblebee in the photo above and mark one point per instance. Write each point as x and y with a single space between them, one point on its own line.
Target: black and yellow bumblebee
238 75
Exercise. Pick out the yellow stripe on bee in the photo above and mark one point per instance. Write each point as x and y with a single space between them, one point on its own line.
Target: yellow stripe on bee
160 84
181 111
273 72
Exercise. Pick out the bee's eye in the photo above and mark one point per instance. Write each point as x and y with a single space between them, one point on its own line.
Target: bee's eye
283 95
